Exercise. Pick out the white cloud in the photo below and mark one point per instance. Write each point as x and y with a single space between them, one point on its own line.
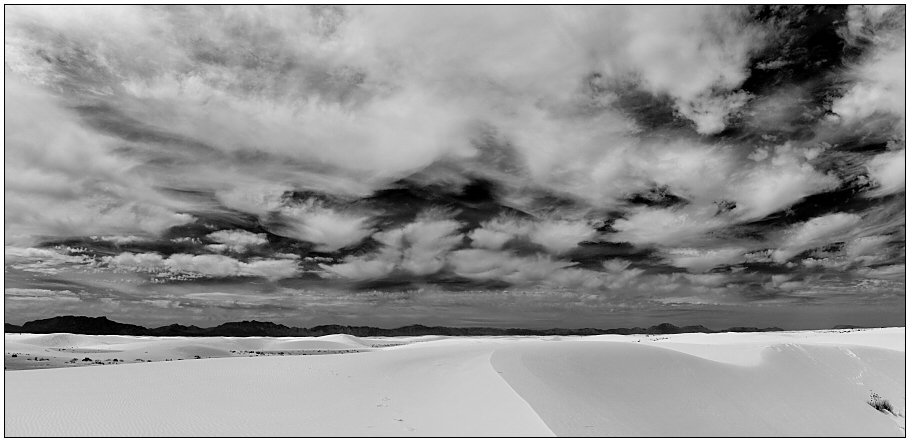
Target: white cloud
619 275
206 265
256 198
889 172
866 246
422 244
122 239
19 254
702 260
209 265
504 266
17 296
495 233
386 90
486 238
31 259
616 265
879 79
419 248
783 282
776 184
559 237
328 229
709 113
816 232
62 179
137 261
897 272
665 226
556 236
235 240
271 269
222 248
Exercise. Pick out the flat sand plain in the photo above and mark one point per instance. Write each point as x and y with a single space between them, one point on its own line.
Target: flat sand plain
811 383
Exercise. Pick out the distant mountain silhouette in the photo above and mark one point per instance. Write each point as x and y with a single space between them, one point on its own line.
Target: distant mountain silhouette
253 328
102 326
177 330
82 325
10 328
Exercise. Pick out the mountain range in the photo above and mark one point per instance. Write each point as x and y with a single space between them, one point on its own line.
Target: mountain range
103 326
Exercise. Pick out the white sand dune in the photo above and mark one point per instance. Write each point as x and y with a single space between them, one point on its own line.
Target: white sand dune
745 384
624 389
428 391
64 340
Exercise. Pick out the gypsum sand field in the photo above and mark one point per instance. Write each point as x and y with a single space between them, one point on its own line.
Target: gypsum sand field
813 383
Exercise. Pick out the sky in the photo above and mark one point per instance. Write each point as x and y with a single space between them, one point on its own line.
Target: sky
532 166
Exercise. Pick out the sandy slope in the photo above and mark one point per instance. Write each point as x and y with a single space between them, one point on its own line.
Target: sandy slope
625 389
425 391
755 384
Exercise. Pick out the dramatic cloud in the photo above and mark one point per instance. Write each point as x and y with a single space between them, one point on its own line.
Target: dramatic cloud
535 163
665 226
816 232
328 229
418 248
888 171
776 183
879 80
64 179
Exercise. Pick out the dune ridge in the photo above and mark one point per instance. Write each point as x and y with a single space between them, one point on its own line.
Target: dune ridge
745 384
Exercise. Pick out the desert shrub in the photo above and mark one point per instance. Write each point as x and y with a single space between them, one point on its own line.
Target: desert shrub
880 404
87 359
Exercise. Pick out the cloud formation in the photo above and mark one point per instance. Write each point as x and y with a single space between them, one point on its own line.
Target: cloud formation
217 266
328 229
594 159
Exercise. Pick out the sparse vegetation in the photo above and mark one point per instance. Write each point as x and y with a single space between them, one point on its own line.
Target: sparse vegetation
880 404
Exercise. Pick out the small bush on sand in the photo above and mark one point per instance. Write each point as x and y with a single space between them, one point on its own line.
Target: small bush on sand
880 404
